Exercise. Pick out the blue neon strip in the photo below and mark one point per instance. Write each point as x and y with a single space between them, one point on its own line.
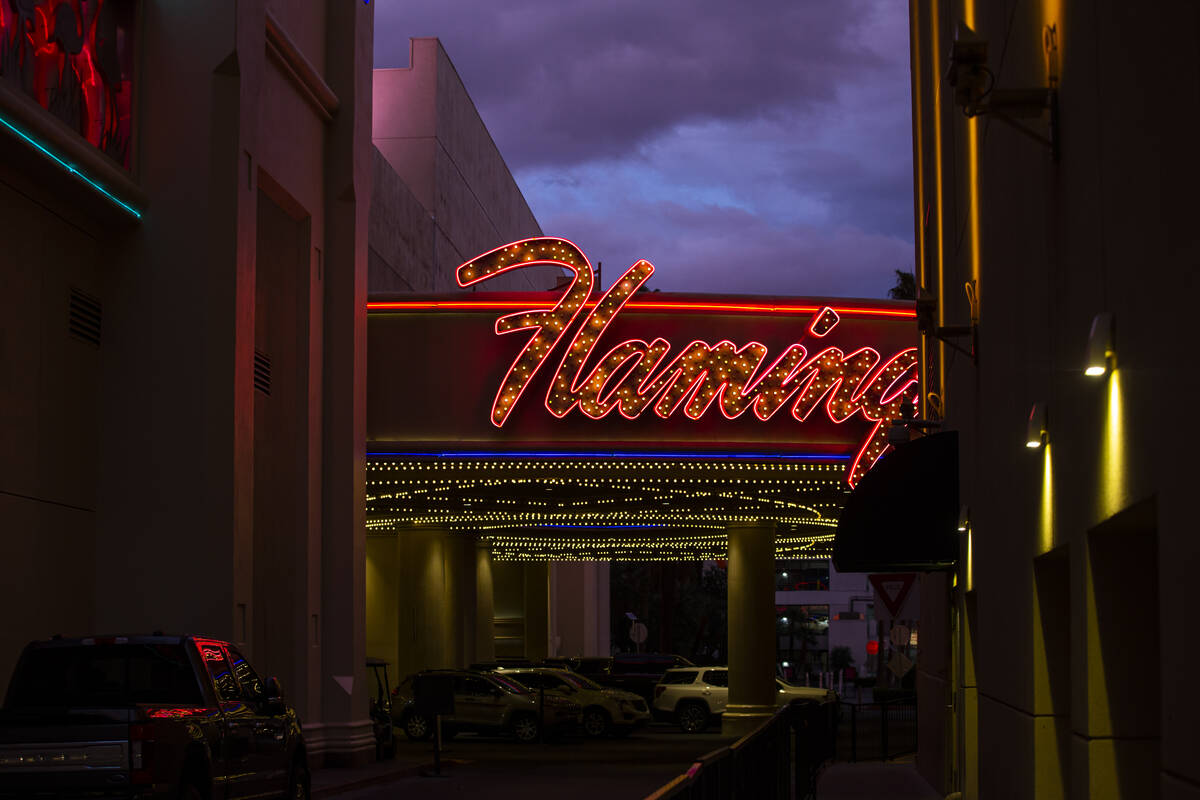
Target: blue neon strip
69 167
549 454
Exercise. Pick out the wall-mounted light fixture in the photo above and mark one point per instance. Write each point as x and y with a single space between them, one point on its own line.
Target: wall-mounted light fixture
1036 434
1101 352
976 92
964 519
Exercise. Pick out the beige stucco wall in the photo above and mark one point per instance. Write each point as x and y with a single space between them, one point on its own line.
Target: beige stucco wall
455 193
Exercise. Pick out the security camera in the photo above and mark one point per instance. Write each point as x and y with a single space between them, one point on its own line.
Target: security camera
968 72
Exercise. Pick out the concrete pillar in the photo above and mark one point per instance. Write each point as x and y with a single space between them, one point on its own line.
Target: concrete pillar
751 627
461 597
438 599
579 605
537 609
383 601
345 735
485 605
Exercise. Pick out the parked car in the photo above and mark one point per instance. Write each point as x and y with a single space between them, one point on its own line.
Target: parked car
605 710
633 672
694 696
588 666
485 703
147 717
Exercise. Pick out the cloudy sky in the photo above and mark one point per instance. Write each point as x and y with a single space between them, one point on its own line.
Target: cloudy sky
760 147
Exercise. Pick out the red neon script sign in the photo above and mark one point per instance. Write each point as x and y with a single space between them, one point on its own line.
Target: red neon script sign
635 375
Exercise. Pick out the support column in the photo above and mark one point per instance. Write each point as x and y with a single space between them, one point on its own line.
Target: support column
485 605
438 598
579 600
383 600
751 627
342 734
537 610
461 598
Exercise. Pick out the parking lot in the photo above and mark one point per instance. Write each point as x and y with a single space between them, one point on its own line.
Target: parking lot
573 768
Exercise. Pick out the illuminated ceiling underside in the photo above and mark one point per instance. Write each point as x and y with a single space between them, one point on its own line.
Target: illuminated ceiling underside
608 508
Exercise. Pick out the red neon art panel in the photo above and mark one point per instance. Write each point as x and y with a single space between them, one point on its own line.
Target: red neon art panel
692 380
76 60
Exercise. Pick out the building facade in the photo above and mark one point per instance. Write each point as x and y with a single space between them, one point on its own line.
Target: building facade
443 194
1054 168
184 279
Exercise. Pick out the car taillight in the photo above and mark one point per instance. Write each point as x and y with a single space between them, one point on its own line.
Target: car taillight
658 690
141 753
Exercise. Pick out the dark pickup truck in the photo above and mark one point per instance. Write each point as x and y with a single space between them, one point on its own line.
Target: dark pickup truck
146 717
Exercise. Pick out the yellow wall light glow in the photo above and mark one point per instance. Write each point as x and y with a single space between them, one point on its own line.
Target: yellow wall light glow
1114 488
1046 511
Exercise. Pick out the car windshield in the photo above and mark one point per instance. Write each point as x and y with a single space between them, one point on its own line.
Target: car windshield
509 684
580 682
95 676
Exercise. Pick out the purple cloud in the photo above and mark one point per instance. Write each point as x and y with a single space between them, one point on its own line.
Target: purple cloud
717 141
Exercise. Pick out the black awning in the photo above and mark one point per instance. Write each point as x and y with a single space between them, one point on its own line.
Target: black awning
903 515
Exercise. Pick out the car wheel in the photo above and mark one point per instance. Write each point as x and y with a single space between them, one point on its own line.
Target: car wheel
525 728
418 727
693 717
298 782
595 722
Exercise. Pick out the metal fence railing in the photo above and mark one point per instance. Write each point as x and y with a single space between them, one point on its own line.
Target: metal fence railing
780 759
878 730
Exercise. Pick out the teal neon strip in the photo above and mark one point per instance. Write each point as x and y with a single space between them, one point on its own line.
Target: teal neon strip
71 168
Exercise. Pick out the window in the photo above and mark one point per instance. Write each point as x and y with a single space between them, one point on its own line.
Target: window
252 685
717 677
220 672
580 682
532 680
679 676
92 676
510 685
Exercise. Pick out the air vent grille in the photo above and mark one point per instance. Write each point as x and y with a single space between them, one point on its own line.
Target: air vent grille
83 317
262 372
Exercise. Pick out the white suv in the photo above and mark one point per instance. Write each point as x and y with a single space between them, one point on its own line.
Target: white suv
691 696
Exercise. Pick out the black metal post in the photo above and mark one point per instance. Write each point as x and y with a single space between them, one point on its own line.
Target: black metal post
884 731
854 733
437 747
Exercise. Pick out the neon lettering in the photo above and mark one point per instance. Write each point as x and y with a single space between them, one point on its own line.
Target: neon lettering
635 375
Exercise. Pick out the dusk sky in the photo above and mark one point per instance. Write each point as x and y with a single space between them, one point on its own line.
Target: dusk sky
765 152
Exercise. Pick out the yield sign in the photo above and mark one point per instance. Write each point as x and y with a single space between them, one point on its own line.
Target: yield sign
893 589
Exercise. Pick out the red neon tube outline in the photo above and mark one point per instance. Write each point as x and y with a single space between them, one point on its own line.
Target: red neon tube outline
660 384
646 305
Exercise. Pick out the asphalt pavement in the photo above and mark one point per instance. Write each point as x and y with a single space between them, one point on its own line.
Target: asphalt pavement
570 769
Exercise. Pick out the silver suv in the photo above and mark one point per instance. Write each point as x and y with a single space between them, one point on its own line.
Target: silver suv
692 696
486 703
605 710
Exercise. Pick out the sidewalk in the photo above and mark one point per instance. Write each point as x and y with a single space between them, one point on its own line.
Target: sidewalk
331 781
874 781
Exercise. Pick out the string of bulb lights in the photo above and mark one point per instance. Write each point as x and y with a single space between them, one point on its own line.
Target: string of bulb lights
611 509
